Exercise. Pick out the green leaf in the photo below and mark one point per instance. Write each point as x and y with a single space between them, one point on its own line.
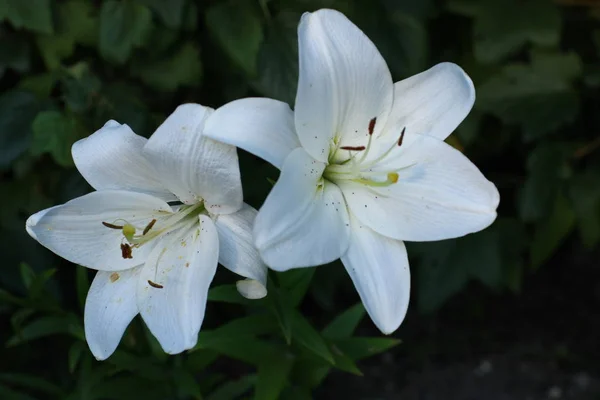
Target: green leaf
32 382
237 330
186 384
54 133
503 27
232 390
282 310
80 88
39 282
17 110
538 194
226 294
124 25
78 21
273 373
171 13
343 362
46 326
360 347
237 27
278 59
522 94
481 252
438 277
82 284
183 68
585 198
34 15
41 84
10 394
446 266
27 275
54 49
552 231
308 337
295 283
76 350
513 242
345 323
15 53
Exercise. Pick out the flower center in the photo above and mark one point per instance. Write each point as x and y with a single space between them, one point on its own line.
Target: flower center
356 168
136 236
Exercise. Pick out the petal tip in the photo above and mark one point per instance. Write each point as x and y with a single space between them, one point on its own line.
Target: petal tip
251 289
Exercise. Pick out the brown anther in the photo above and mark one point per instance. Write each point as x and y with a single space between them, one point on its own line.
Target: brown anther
155 285
401 137
126 250
372 125
353 148
148 227
114 277
112 226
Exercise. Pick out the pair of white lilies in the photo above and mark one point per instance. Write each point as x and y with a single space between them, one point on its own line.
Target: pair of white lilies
363 167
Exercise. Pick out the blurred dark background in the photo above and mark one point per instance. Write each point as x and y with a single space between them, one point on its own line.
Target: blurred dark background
512 312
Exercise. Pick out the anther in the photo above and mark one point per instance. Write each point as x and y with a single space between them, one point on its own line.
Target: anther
372 125
392 177
111 226
126 251
401 137
148 227
353 148
155 285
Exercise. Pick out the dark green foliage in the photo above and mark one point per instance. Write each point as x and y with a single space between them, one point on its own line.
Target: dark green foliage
68 66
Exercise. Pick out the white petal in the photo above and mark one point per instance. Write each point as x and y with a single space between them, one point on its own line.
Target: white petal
251 289
75 231
237 252
193 166
433 102
184 264
344 83
303 221
263 127
111 158
109 308
440 195
379 269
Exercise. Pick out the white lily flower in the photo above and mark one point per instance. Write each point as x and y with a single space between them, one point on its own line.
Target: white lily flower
154 258
363 163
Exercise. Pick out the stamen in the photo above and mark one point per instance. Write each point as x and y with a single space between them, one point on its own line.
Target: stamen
126 251
392 177
401 137
148 227
372 125
353 148
112 226
155 285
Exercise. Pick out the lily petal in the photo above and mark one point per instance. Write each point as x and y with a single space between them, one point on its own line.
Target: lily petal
263 127
379 270
238 254
184 264
109 308
303 221
344 83
112 158
75 231
193 166
433 102
440 194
